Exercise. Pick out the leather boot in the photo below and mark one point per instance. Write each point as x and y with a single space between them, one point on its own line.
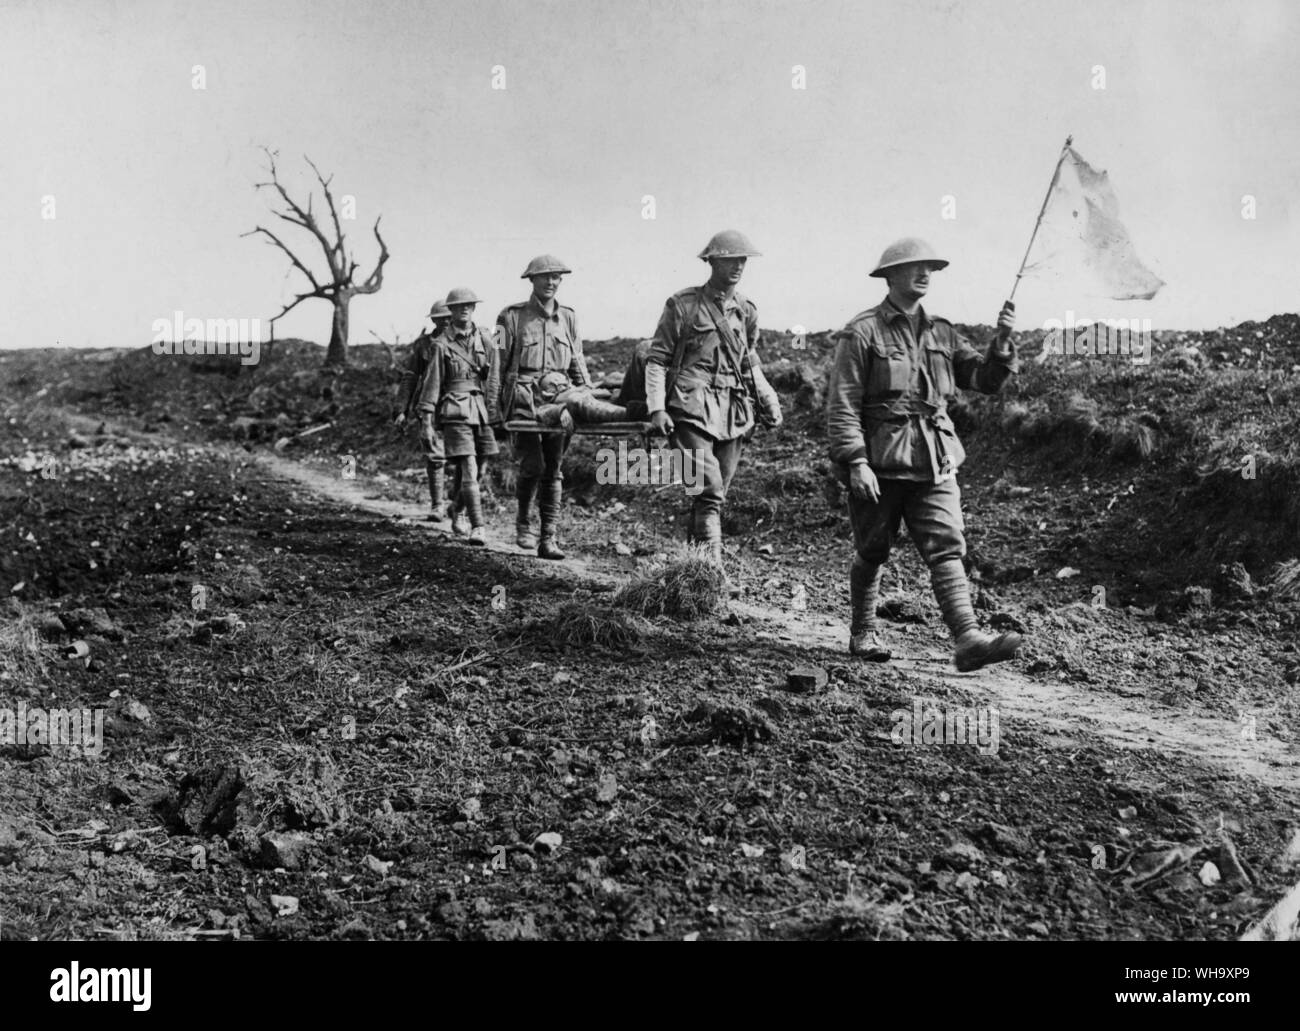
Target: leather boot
708 532
549 499
525 491
864 586
437 491
555 415
974 648
474 506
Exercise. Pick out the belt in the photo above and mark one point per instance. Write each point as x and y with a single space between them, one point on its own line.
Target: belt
941 463
463 386
906 406
717 380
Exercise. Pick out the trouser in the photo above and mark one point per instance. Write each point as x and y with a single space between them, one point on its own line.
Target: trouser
431 446
716 462
465 478
585 408
932 512
541 457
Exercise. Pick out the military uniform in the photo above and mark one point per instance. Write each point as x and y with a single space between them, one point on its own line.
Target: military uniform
706 341
453 403
887 404
540 358
430 441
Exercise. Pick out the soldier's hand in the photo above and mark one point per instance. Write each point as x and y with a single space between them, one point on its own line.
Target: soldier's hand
863 483
1006 323
661 422
771 403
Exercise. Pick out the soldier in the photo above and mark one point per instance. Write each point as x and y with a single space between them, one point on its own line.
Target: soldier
541 358
699 374
452 400
896 370
409 389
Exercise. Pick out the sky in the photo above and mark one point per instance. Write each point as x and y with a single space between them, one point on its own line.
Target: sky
910 114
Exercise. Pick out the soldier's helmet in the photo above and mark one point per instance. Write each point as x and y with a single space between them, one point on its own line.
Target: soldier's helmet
439 310
905 251
461 295
730 243
544 264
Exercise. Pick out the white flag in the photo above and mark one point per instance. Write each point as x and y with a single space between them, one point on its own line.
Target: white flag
1082 241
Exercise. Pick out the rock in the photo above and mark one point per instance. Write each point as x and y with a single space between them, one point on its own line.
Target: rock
92 621
1196 598
1004 840
550 841
960 855
137 711
207 802
376 865
288 849
806 679
607 789
899 608
285 905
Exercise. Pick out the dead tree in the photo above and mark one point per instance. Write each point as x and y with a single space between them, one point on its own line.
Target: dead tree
338 286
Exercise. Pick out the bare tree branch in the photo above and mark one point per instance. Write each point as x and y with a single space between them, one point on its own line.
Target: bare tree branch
329 199
292 257
376 278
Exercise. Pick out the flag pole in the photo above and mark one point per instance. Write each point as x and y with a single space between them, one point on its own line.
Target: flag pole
1041 211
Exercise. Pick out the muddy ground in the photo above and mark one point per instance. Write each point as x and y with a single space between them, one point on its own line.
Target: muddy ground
325 719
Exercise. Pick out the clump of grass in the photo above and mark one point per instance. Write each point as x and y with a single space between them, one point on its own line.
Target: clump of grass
1286 579
20 648
688 586
580 624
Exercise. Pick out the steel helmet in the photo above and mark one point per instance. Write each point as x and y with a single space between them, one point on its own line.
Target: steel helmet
730 243
439 310
544 264
906 251
461 295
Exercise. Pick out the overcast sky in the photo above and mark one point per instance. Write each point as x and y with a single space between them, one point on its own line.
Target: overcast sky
607 102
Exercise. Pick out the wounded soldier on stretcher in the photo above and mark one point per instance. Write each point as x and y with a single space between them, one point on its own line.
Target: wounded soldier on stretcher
566 405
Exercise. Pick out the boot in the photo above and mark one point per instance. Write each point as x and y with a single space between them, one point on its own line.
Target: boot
437 491
555 415
864 587
708 532
552 493
474 508
974 648
525 491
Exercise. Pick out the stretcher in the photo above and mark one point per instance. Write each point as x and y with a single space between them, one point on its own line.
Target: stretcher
582 429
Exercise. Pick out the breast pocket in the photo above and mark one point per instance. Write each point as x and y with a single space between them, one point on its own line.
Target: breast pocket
938 358
699 338
890 370
532 348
